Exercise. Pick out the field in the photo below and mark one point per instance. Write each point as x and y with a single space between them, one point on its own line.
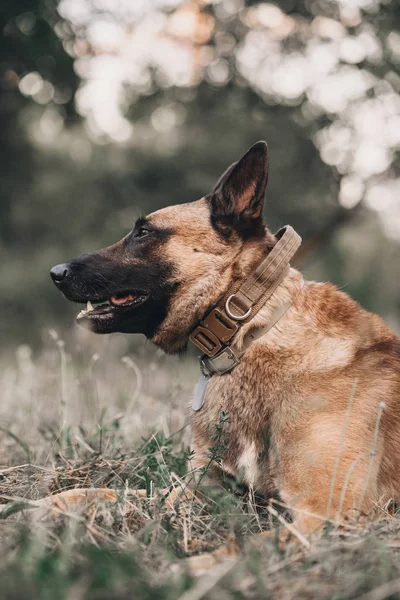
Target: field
91 414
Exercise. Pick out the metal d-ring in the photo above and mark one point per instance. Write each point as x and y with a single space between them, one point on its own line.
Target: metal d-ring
230 313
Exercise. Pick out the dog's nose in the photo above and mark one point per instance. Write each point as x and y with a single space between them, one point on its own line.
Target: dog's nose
59 272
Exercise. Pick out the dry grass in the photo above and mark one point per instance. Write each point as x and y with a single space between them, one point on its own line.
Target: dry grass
94 419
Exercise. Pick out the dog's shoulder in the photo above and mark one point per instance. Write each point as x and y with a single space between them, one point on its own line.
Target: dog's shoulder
341 319
337 314
326 329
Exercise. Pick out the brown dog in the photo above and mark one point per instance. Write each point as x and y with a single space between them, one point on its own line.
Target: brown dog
313 403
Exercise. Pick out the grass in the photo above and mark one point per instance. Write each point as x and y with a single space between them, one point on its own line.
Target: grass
90 416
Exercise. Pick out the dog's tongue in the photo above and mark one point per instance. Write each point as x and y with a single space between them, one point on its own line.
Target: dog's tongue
124 300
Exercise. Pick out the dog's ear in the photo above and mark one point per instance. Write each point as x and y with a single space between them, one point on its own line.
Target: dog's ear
238 196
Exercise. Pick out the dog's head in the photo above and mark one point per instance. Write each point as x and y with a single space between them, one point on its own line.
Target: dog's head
175 264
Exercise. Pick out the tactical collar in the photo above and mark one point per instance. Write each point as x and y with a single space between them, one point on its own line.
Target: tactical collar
214 334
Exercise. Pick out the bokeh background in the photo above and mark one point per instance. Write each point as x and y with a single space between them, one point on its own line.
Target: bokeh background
111 109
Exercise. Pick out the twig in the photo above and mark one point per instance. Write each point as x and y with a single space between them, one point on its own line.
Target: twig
26 465
19 499
138 384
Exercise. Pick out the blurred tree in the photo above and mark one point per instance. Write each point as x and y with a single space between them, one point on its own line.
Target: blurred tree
171 93
28 48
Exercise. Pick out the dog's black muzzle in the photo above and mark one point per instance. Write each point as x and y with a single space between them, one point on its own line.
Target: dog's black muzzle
119 297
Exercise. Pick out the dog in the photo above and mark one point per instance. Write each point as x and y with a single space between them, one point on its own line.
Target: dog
309 381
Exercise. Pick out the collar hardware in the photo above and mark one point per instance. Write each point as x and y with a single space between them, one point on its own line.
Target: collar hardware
213 332
222 325
230 313
220 364
206 341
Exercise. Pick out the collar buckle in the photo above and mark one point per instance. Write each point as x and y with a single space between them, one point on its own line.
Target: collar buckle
215 330
221 363
206 341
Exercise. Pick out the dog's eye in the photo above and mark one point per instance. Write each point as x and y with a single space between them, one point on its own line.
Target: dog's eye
142 232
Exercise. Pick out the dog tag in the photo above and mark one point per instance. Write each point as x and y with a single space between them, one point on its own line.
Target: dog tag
200 392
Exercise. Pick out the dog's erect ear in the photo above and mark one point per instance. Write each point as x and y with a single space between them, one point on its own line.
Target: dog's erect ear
239 193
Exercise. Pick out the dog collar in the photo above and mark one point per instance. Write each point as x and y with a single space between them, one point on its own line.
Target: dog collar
242 302
227 359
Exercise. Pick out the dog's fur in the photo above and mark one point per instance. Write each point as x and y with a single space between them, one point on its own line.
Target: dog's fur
305 412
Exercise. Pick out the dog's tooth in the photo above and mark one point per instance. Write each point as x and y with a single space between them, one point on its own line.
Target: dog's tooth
89 306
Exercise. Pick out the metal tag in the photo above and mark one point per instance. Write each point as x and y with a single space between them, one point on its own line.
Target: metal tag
200 392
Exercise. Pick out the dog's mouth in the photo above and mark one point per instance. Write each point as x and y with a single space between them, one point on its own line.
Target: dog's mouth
117 304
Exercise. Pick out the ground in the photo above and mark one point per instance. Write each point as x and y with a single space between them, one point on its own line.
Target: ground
101 414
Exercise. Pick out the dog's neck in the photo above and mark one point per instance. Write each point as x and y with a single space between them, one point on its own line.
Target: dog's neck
192 303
